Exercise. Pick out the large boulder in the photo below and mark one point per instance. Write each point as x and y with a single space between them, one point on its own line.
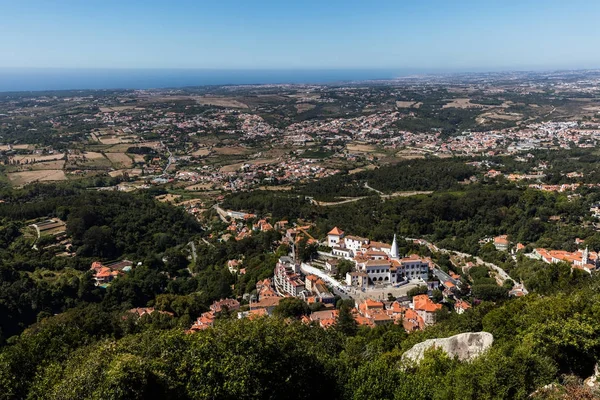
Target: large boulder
464 346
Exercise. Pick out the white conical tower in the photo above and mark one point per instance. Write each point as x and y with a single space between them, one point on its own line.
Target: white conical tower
394 251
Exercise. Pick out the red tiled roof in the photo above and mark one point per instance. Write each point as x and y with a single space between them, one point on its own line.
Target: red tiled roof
336 231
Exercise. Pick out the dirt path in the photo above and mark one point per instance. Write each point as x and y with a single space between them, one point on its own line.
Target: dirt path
381 195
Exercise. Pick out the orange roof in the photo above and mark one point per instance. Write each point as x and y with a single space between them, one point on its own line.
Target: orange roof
423 303
397 307
103 272
360 320
327 322
462 304
370 303
336 231
412 321
502 239
261 312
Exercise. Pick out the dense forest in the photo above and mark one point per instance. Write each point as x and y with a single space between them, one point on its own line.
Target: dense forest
456 219
89 353
411 175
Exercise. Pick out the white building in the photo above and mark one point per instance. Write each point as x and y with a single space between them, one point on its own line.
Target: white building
355 243
414 267
357 279
286 278
334 237
341 252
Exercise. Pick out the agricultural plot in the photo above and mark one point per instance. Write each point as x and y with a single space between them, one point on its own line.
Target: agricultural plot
34 158
25 177
201 152
88 160
231 151
131 172
119 160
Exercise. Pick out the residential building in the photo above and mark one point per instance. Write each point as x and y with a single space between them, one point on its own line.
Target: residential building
228 304
331 265
426 308
357 279
104 274
287 279
501 242
325 319
268 304
461 306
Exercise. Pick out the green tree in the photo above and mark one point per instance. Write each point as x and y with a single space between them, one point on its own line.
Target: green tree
291 307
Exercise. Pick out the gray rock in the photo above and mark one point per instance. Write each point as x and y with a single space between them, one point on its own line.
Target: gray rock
465 346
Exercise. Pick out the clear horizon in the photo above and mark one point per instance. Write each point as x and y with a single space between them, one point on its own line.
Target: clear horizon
45 79
257 35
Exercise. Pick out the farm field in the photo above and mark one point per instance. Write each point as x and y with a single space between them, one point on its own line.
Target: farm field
120 160
25 177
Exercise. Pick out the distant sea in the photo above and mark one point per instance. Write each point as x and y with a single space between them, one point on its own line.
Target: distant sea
71 79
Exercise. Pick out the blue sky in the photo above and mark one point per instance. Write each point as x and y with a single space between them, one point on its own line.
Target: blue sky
247 34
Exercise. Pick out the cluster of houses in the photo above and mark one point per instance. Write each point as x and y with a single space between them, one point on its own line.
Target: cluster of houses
375 263
207 319
289 282
581 259
413 315
105 274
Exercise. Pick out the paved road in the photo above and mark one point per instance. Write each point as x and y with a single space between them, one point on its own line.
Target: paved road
501 274
222 213
170 160
347 292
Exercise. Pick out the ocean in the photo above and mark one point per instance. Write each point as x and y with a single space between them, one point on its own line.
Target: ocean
71 79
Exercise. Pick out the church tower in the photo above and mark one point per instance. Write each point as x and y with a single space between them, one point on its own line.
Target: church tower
394 250
585 259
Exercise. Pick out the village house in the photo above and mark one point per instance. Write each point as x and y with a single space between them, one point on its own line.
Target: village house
264 289
204 321
316 286
325 319
425 308
267 304
357 279
461 306
501 242
141 311
331 265
104 274
233 266
411 321
375 312
225 304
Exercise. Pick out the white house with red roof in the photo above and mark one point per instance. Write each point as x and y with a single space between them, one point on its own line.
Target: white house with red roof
334 237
